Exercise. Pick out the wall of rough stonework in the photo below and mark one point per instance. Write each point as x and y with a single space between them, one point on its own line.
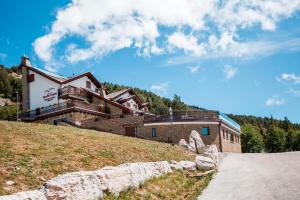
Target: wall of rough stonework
114 125
74 117
173 133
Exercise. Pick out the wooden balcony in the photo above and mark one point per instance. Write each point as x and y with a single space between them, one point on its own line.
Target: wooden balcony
71 92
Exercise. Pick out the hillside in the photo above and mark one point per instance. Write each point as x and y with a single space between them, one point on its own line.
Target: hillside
32 153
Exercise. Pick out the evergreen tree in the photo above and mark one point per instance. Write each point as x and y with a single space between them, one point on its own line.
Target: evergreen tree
5 88
275 139
177 104
292 140
251 139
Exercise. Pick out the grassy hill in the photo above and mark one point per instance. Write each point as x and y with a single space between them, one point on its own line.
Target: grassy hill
31 153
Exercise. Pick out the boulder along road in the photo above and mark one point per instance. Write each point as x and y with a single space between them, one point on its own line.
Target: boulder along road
256 176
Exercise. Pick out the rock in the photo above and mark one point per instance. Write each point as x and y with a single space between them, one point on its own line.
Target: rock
77 185
90 185
183 165
183 143
42 178
7 188
196 143
211 151
29 195
123 177
204 163
10 183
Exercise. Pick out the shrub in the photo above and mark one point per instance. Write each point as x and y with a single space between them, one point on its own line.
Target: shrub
251 139
275 139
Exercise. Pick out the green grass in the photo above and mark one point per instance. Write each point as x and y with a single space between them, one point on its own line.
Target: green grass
31 152
173 186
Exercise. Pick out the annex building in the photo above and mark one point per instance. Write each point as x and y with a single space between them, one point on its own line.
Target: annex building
82 101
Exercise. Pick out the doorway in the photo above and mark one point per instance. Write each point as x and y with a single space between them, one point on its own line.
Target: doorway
131 131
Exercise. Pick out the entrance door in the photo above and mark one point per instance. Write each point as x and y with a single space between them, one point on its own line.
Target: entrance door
130 131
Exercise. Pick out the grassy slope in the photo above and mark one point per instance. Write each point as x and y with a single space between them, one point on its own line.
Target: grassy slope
177 185
30 153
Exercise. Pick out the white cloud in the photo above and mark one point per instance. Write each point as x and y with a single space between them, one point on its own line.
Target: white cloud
160 88
229 71
290 77
111 25
3 56
189 44
275 101
194 69
294 92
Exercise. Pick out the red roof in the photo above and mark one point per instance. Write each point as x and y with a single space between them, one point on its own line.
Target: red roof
62 80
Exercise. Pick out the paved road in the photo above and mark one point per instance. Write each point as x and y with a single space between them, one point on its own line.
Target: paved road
256 176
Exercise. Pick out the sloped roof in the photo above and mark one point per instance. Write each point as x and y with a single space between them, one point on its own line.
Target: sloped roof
116 94
62 80
57 77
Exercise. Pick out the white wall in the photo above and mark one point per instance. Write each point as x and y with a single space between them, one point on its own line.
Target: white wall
131 101
41 84
81 83
37 91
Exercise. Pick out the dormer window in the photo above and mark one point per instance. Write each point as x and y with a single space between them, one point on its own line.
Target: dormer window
88 84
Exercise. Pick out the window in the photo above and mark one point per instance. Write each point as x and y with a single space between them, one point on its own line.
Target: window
96 90
231 138
88 84
227 135
223 133
205 131
154 134
30 78
128 105
135 106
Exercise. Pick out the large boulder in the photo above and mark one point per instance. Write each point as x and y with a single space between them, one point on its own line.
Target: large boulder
76 185
28 195
90 185
123 177
204 163
183 165
211 151
196 143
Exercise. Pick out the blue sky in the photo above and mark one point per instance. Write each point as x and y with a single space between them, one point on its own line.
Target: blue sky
236 57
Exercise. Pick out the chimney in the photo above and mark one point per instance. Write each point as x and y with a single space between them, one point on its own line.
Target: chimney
25 60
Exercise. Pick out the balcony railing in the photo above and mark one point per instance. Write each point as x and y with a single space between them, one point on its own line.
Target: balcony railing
62 106
183 116
72 92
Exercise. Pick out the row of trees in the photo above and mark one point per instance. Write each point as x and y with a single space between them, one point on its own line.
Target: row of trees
9 85
274 139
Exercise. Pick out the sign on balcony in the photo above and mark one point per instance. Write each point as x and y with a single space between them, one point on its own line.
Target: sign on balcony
50 94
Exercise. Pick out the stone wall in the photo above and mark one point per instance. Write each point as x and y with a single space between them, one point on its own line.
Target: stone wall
74 117
114 125
173 133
